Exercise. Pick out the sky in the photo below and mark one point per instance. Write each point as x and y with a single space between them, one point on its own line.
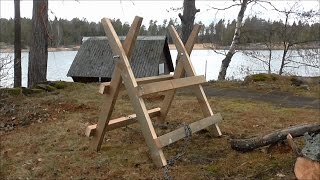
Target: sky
125 10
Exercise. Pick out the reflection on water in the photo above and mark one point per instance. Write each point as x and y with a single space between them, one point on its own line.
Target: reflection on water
240 66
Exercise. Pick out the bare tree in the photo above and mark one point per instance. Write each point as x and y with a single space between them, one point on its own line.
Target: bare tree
236 39
38 55
17 44
289 34
268 42
289 41
5 67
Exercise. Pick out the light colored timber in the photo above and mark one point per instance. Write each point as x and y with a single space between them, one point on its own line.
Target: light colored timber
120 122
178 73
198 90
110 99
136 88
180 133
161 86
105 87
137 102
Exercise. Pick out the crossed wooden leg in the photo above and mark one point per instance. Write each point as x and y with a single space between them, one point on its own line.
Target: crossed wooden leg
124 72
184 65
110 98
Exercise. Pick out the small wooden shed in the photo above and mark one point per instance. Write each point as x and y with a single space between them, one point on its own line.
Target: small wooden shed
94 61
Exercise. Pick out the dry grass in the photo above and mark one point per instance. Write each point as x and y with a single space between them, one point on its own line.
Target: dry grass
58 149
273 83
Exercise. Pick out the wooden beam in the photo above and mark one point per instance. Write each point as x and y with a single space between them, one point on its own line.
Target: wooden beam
161 86
120 122
180 133
198 90
110 99
178 73
139 106
105 87
192 38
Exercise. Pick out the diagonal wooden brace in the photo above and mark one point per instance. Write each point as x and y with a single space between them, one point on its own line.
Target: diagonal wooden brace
178 73
198 90
137 102
110 99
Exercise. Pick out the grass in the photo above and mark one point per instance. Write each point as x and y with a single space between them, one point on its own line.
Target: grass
53 144
271 82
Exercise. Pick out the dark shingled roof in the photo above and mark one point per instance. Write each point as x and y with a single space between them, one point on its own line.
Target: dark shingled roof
95 57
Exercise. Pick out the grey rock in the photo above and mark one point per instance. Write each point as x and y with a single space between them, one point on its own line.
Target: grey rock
312 147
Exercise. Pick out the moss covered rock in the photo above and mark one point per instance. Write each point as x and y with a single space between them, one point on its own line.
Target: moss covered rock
59 84
260 77
27 91
45 87
11 91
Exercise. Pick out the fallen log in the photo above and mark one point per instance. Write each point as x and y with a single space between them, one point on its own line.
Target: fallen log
245 145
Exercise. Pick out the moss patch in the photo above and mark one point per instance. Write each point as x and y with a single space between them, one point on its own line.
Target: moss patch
59 84
261 77
11 91
45 87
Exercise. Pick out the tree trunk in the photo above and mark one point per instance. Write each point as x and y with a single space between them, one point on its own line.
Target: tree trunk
187 19
245 145
17 44
285 44
236 39
269 61
283 60
38 56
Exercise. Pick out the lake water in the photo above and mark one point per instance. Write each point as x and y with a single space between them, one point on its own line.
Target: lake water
240 66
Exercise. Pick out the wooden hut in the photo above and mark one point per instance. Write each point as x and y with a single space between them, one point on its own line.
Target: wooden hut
94 61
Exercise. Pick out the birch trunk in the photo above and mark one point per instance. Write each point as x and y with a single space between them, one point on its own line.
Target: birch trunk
236 39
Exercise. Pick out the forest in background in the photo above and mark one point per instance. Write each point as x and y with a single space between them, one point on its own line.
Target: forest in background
67 33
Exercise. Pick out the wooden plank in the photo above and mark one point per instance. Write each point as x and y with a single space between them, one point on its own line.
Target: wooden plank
110 99
179 133
138 103
192 38
178 73
198 90
120 122
105 87
161 86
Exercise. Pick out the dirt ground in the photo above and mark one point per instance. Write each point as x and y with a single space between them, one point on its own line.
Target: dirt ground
282 99
42 135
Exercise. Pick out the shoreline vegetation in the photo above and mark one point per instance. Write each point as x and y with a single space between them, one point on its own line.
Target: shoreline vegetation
198 46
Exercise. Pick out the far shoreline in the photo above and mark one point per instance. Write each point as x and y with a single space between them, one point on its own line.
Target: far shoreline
199 46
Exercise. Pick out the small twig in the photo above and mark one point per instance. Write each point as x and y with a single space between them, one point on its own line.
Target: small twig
293 146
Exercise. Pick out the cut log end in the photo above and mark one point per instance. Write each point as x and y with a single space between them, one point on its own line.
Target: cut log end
307 169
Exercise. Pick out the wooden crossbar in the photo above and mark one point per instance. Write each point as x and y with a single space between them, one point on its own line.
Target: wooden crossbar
120 122
105 87
180 133
161 86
